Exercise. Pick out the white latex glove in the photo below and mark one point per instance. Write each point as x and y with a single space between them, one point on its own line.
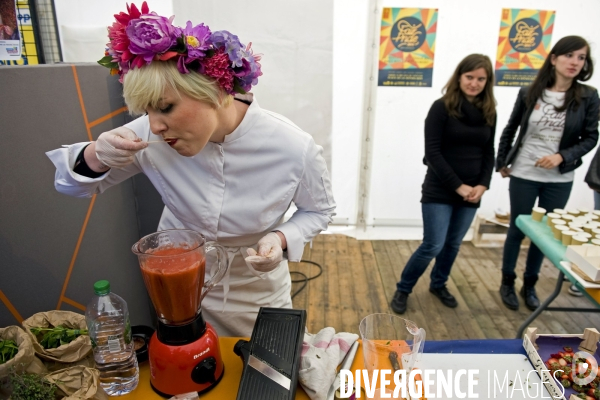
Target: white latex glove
117 148
269 255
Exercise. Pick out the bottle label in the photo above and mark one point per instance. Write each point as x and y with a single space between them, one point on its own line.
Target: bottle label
114 345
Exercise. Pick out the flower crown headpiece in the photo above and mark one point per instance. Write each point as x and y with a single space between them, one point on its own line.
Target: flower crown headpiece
138 38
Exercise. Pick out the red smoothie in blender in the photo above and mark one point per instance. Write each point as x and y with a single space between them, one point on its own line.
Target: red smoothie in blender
174 279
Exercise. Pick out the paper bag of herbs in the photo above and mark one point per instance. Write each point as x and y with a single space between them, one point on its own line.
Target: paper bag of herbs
16 354
60 339
78 382
22 358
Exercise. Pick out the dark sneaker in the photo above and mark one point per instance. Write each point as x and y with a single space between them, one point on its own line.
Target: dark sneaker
444 295
399 302
509 297
531 300
573 291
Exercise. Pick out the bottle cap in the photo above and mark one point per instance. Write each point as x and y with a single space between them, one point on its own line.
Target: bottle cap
102 287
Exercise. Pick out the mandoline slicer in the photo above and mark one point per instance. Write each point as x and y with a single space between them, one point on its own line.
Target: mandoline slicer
272 356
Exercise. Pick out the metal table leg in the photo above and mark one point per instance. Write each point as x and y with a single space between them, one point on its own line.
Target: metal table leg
542 306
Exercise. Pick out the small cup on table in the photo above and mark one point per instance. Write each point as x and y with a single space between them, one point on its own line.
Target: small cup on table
550 217
567 237
558 230
578 240
557 221
537 213
588 228
559 211
595 242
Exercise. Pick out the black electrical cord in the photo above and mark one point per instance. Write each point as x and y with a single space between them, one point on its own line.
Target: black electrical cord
306 278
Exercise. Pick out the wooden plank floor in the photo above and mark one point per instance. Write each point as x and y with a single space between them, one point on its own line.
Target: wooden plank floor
359 278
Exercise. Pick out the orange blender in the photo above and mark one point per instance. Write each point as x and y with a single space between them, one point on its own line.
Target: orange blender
184 351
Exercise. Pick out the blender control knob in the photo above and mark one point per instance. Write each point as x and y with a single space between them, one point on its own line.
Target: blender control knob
204 371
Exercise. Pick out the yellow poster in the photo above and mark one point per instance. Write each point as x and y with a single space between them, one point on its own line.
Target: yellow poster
407 46
523 45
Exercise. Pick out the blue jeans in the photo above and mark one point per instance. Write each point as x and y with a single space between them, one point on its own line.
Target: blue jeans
444 227
523 194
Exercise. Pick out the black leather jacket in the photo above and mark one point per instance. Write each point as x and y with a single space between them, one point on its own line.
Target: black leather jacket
579 136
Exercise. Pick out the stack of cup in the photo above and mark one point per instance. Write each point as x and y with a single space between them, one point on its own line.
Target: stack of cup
537 213
575 226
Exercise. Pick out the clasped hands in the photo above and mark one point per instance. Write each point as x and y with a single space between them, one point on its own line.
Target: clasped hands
472 194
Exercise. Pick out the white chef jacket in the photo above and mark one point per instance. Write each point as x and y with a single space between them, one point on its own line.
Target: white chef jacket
233 193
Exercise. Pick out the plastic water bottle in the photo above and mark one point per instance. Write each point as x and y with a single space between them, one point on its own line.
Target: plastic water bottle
109 328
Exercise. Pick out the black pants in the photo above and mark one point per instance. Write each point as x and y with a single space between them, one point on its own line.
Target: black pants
523 194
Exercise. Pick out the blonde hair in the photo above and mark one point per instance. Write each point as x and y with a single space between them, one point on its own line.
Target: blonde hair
144 87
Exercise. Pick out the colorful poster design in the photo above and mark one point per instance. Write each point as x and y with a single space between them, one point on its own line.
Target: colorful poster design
523 45
407 47
10 43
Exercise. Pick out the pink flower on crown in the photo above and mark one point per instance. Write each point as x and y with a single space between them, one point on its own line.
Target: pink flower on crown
217 67
118 47
151 35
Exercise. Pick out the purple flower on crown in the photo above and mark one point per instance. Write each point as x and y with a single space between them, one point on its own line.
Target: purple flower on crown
249 72
150 35
197 40
230 44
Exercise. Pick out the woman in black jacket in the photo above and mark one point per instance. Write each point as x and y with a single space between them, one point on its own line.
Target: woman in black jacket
558 119
459 152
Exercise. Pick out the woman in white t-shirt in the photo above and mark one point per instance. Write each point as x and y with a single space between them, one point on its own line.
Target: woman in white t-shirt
558 120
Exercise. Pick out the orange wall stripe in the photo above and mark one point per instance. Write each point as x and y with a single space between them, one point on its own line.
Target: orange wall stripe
73 303
85 119
10 307
85 222
107 116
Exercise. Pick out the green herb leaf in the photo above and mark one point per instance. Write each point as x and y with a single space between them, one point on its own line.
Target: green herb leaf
8 350
30 387
107 62
57 336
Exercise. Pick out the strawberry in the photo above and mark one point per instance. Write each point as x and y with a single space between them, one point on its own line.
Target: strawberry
568 348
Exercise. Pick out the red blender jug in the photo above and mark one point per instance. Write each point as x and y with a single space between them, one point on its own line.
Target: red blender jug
184 351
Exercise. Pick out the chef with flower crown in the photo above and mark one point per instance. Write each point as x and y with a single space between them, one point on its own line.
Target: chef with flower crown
227 168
